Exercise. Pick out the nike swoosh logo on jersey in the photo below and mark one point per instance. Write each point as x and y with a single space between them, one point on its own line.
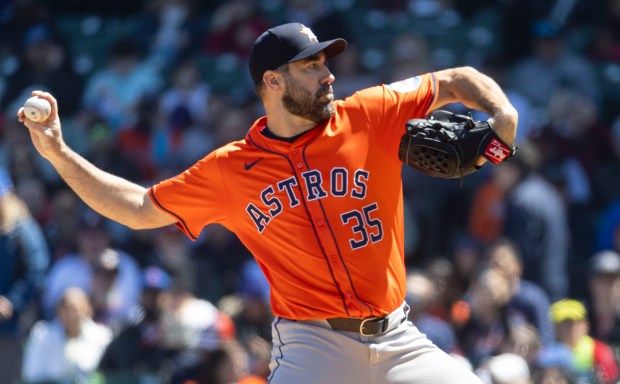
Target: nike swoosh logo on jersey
250 165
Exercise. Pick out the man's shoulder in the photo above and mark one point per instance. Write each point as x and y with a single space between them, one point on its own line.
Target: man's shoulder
223 153
229 154
232 147
359 102
364 93
391 93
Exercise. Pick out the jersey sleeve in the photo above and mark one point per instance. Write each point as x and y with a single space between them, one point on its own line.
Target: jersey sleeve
388 107
194 198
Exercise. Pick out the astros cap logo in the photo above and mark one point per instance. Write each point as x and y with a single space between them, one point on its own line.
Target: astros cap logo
311 36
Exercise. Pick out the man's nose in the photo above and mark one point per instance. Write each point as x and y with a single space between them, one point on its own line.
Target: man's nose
329 78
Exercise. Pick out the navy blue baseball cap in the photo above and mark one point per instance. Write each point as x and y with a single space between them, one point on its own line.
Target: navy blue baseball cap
287 43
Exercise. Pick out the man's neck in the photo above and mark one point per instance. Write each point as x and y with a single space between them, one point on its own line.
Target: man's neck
283 124
267 132
289 127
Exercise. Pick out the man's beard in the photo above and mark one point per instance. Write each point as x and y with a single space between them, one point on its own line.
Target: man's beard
300 102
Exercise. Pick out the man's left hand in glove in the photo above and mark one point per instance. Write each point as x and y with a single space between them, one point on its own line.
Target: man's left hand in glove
449 145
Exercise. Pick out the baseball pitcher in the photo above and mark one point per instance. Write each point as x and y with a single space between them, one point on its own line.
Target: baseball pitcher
314 191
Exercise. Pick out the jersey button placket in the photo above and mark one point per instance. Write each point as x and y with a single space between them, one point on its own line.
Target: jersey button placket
295 158
320 224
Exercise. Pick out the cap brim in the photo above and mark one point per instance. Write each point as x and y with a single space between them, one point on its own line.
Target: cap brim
331 48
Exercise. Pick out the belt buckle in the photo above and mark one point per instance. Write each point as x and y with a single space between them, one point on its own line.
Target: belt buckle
372 319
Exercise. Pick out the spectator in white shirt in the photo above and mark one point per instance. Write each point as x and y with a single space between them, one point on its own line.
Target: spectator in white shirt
83 269
67 348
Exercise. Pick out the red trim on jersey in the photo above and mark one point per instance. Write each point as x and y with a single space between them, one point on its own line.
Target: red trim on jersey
180 222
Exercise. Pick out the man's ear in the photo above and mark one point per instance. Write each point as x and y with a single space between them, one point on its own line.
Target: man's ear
272 79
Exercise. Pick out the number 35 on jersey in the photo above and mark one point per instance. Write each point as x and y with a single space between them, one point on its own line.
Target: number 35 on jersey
365 227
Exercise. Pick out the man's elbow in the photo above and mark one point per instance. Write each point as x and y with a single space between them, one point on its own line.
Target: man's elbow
140 223
148 217
453 74
136 226
452 81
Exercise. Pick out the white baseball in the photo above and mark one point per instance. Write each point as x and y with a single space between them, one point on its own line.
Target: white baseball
37 109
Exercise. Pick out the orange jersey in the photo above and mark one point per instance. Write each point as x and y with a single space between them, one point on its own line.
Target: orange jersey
323 215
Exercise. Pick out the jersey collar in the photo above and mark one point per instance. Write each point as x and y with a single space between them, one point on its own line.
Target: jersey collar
255 137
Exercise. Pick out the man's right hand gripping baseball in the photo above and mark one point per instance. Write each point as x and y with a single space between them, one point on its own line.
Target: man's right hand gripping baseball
111 196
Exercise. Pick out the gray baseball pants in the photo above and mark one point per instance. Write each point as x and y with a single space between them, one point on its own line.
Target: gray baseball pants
310 352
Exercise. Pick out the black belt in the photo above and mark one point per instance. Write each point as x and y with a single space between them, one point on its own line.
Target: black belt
365 327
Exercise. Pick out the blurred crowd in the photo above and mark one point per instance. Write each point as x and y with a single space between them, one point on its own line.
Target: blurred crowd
515 271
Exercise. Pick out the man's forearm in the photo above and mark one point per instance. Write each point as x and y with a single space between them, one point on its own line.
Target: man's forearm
111 196
478 91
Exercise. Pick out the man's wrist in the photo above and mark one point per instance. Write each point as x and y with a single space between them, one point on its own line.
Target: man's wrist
504 124
59 154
